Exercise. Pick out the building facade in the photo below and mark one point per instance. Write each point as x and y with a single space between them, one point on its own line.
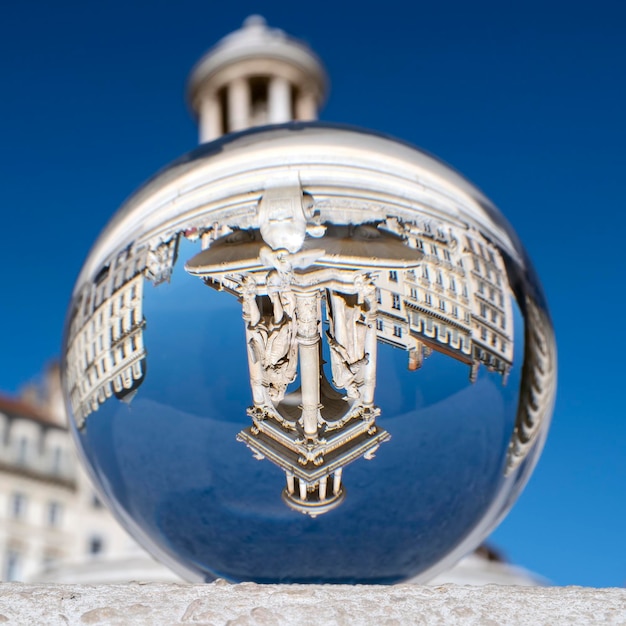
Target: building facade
51 519
456 302
106 355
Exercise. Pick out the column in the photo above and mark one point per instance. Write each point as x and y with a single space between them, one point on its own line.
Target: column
322 487
279 104
210 118
308 337
306 106
337 481
290 483
371 346
238 101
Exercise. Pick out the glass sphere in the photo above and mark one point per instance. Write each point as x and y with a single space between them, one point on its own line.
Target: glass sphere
309 353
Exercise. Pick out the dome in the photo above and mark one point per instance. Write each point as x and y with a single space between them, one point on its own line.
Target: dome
257 50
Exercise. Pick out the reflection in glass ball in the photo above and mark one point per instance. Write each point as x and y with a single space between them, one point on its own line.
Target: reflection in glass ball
309 353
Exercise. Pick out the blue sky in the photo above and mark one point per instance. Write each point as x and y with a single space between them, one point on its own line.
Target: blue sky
526 99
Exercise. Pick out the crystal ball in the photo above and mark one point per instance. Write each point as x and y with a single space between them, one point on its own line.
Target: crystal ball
309 353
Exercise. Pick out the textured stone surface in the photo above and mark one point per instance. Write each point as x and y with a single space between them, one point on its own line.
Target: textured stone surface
259 605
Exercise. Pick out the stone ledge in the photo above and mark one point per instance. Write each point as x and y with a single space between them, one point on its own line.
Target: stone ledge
250 604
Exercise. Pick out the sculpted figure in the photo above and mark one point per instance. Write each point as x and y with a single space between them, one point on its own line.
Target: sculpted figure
346 340
272 347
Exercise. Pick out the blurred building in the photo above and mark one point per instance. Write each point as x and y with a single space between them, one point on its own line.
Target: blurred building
51 520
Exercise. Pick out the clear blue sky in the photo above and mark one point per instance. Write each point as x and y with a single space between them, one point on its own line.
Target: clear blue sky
527 99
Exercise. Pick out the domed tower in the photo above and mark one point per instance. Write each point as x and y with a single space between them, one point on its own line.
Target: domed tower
253 77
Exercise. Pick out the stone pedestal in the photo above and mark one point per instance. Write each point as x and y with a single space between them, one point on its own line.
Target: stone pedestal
250 604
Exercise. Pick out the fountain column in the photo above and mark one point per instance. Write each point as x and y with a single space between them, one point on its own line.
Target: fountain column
307 314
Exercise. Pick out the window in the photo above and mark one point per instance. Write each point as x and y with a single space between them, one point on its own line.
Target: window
434 251
452 284
397 331
446 254
95 546
395 301
483 310
455 311
476 264
439 278
483 333
414 293
379 325
428 299
12 565
379 298
57 455
393 276
18 505
481 287
55 512
50 559
22 450
425 272
442 304
492 293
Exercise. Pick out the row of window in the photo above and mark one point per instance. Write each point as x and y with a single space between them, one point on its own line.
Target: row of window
117 356
444 307
490 292
478 268
18 508
105 289
493 339
14 559
123 376
481 250
490 314
25 448
123 322
380 326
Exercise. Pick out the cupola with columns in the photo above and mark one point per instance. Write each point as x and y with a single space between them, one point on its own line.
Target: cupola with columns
254 77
